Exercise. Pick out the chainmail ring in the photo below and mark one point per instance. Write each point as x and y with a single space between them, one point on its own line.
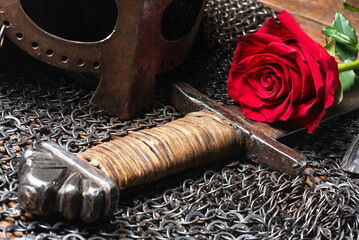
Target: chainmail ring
232 199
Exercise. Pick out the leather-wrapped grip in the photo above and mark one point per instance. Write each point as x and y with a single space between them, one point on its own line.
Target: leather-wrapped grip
151 154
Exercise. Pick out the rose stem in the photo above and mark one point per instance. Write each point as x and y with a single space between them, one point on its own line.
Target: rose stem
342 67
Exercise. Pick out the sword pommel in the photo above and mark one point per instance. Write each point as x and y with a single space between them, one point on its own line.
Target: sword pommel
52 180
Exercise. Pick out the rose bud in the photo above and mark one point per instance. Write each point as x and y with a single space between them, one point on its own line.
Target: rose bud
280 73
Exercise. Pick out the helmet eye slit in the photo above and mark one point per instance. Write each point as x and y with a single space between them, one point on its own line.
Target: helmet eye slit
179 18
76 20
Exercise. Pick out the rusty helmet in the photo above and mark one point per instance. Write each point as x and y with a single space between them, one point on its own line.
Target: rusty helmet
124 42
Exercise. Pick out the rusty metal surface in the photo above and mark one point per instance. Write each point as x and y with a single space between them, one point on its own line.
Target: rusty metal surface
127 60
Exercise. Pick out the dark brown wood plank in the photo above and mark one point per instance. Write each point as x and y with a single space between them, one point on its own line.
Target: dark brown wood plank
321 11
313 15
313 29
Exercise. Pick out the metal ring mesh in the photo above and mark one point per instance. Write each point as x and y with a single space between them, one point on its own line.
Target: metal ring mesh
234 199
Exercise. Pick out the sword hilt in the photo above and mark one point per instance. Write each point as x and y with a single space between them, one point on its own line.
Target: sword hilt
150 154
54 180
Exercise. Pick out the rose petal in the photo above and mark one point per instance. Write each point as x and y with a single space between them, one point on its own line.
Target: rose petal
278 83
253 114
248 95
332 81
252 44
276 29
270 90
281 53
315 73
280 73
300 36
306 84
269 59
240 90
268 85
281 112
309 114
252 69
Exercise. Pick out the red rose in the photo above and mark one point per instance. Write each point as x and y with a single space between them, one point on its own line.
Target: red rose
280 73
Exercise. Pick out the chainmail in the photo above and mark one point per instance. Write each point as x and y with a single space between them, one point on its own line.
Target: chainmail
232 199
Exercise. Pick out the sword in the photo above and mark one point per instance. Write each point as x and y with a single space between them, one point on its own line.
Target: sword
87 185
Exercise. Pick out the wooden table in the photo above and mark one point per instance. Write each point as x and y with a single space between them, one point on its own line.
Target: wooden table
313 15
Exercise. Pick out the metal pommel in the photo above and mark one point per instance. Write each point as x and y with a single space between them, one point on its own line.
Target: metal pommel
53 180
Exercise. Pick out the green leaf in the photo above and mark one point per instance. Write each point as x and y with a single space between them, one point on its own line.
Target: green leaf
347 79
345 53
330 47
349 7
339 93
339 36
342 24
